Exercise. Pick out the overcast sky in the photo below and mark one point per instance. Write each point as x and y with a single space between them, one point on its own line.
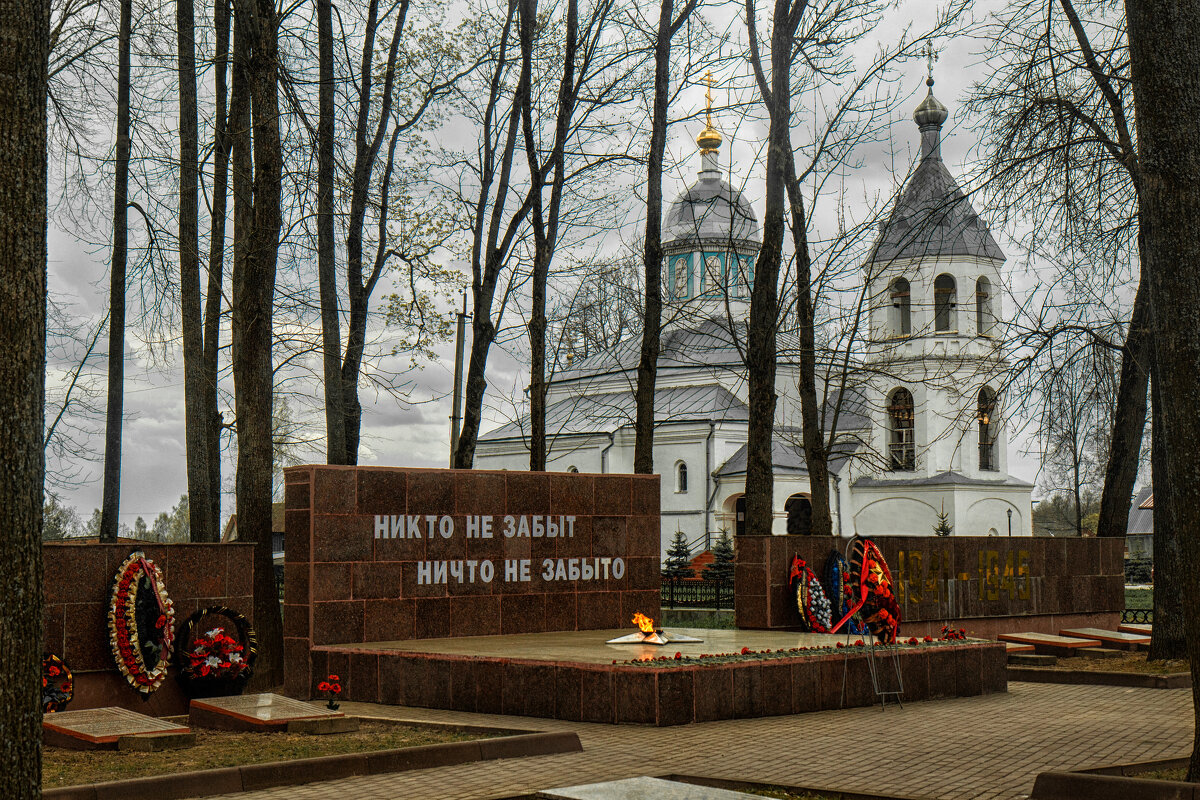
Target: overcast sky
417 433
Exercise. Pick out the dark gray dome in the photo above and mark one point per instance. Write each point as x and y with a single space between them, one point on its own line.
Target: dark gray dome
710 209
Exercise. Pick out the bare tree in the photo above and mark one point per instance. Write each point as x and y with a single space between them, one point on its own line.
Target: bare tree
494 224
110 505
1059 133
25 32
669 24
1164 52
256 245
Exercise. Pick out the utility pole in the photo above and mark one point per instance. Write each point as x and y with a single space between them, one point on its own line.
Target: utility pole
460 341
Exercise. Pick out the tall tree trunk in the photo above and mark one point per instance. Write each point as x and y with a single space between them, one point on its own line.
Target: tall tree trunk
1164 50
1168 639
202 525
488 257
111 500
25 34
331 334
1129 419
483 333
366 153
652 250
816 456
764 297
253 296
216 263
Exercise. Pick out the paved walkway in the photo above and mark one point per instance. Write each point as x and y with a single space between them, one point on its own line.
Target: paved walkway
979 747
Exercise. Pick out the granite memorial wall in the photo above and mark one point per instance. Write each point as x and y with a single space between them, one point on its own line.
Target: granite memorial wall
987 585
78 592
383 554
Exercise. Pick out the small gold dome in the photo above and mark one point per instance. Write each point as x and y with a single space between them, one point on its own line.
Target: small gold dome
709 140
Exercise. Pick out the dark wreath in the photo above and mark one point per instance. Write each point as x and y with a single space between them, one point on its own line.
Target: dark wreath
209 658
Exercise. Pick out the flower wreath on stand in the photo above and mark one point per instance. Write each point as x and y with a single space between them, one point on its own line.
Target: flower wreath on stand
815 611
58 684
141 623
217 652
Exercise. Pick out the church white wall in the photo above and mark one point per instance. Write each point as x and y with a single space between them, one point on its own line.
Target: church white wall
972 510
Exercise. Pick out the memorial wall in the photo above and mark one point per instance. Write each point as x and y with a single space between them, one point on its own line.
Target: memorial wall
78 590
988 585
378 554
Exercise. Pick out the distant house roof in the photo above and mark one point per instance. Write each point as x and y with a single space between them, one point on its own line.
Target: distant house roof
230 532
1141 513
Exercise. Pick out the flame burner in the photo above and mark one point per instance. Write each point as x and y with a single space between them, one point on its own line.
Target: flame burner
648 634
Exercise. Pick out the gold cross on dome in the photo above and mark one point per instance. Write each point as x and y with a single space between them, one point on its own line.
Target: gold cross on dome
708 77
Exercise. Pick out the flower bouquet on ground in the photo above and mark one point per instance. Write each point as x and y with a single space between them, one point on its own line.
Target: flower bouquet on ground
217 654
331 687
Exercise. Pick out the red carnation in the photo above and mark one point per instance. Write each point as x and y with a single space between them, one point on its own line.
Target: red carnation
678 656
745 650
839 644
324 686
928 639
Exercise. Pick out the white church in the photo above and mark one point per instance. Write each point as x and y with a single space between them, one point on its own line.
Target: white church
921 435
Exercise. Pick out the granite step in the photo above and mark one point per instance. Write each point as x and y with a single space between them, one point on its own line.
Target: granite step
1119 639
1031 660
1013 647
1048 644
1099 652
1142 628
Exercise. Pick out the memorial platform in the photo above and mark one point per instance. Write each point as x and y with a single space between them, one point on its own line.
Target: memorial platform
574 675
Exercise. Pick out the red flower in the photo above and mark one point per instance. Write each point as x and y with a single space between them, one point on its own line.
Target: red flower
745 650
839 644
336 688
334 679
858 642
324 686
928 639
161 622
678 656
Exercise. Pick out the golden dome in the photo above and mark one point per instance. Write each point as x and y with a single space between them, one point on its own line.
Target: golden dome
709 140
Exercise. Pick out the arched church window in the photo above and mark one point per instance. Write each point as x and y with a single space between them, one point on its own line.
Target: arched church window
944 301
983 307
902 449
988 423
681 478
681 277
713 274
745 276
901 316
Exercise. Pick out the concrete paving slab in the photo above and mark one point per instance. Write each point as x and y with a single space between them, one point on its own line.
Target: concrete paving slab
643 788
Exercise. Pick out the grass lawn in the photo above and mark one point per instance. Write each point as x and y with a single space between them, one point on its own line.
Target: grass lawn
1129 662
1139 598
62 767
1177 774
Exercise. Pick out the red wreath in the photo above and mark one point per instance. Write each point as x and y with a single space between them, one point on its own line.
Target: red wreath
873 593
124 631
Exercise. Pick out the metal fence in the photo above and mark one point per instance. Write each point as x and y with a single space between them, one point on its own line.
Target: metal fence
1137 615
697 594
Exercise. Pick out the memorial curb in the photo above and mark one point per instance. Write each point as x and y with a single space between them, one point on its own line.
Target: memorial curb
1116 781
1072 785
1172 680
229 780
